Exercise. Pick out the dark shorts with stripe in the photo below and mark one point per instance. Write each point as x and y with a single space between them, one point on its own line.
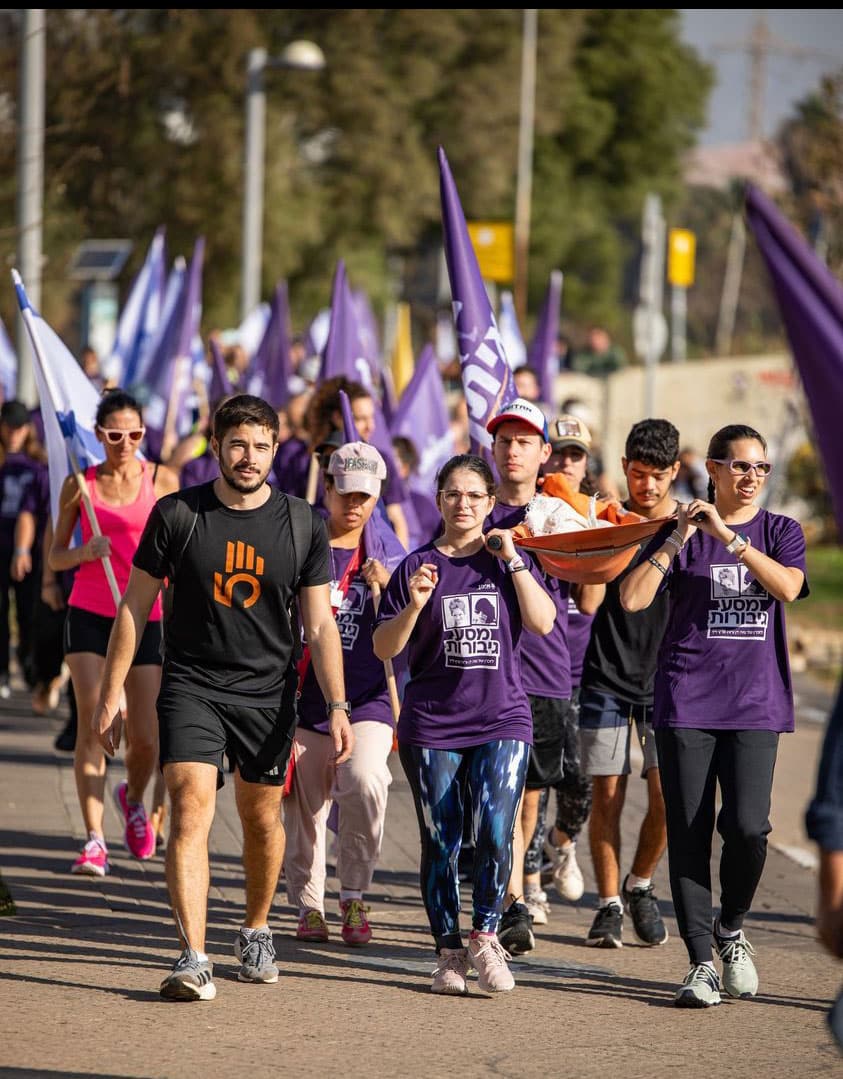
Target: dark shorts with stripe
257 741
547 753
88 632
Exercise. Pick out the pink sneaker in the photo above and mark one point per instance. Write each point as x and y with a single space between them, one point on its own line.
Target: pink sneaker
139 835
312 926
355 925
93 860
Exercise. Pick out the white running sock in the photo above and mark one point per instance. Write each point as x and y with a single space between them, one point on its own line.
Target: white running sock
349 893
605 900
249 933
633 882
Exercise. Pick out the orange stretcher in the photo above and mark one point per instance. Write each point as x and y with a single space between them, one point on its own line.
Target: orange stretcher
591 555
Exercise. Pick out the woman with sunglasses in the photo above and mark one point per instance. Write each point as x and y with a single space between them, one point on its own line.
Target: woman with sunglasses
123 490
465 719
722 697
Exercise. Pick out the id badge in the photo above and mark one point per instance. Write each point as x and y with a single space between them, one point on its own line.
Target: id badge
337 598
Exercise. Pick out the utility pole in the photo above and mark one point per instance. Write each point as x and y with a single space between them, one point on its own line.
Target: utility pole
759 45
524 180
30 183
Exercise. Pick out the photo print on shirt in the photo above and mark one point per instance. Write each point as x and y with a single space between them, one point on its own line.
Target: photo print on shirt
739 604
471 630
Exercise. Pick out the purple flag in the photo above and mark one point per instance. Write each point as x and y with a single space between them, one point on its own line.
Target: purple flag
169 378
810 301
220 386
271 369
342 355
379 539
486 376
541 355
422 416
368 333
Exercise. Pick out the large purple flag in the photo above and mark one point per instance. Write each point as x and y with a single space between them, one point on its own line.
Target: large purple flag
486 376
342 355
271 368
368 333
169 378
140 316
221 385
810 300
379 539
422 416
541 355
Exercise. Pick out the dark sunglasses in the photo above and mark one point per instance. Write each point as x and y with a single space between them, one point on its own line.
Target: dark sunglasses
743 468
115 436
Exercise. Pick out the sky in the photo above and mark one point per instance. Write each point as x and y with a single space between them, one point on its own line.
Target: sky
788 78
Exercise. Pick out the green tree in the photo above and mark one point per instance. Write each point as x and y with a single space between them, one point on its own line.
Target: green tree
145 127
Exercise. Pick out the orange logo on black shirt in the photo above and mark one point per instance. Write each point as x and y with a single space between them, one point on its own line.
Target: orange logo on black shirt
239 556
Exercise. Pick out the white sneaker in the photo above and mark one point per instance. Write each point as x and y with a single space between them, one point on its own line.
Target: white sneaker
700 989
538 906
567 878
740 978
451 971
488 958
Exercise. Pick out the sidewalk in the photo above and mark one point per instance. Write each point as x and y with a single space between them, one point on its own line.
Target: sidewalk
81 960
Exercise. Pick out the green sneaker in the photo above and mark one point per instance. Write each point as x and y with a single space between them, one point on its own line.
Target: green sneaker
701 988
740 978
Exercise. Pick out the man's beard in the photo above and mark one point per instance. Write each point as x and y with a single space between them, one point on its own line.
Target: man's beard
239 483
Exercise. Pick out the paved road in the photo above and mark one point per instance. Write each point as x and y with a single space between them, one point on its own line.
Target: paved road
81 959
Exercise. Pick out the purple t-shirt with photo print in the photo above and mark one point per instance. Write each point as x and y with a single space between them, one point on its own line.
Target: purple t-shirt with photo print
723 662
465 672
545 661
365 680
579 633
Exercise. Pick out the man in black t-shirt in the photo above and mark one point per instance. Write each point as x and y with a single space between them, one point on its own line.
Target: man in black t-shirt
617 691
236 554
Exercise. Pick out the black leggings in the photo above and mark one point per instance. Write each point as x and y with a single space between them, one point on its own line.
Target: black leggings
692 762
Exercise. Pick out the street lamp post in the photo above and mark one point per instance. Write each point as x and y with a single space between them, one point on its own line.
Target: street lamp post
301 56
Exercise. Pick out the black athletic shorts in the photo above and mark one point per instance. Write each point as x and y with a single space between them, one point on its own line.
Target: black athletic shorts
256 740
547 753
88 632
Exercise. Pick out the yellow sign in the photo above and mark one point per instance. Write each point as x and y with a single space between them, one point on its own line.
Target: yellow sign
494 245
681 249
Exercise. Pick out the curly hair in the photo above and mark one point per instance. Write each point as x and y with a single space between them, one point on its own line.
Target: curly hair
319 417
654 443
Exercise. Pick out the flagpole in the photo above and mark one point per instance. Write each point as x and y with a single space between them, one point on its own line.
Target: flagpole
79 475
391 683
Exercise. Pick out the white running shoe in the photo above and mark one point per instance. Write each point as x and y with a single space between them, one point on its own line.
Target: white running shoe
567 878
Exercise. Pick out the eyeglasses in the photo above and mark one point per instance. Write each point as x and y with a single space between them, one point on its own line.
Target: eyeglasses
472 497
116 436
743 468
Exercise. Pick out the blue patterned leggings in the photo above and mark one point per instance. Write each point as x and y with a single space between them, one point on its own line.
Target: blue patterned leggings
495 774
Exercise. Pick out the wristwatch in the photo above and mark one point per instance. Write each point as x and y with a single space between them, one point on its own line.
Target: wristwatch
344 706
738 544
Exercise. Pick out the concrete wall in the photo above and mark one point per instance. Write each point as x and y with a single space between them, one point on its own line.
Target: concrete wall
699 396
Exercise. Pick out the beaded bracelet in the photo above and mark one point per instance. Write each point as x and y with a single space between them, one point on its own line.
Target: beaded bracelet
658 566
676 541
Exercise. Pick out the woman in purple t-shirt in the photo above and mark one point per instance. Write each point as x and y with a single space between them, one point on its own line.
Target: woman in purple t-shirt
722 697
359 786
465 718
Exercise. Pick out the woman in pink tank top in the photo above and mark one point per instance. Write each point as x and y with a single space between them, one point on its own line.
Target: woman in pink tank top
123 490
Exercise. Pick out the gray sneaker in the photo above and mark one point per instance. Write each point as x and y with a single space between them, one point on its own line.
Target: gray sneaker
256 955
701 988
740 978
190 979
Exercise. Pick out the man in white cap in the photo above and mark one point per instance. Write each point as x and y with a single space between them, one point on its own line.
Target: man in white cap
520 447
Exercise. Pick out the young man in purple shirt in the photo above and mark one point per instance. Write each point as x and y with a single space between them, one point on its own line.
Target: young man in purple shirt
16 474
